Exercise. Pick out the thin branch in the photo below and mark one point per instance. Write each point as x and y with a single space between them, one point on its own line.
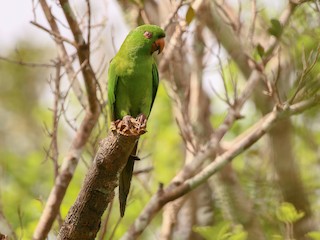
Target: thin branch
28 64
171 46
54 34
34 6
284 20
83 133
223 76
56 116
233 19
210 16
63 55
172 15
308 66
89 26
114 229
83 55
174 191
253 21
20 216
232 115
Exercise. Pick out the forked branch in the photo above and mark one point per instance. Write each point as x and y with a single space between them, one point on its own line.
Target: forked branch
247 139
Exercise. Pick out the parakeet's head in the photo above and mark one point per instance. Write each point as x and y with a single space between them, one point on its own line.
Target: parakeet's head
145 39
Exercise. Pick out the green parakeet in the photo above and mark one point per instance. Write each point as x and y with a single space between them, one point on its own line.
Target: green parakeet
132 86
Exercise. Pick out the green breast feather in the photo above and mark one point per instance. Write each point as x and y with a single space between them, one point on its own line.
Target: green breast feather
133 75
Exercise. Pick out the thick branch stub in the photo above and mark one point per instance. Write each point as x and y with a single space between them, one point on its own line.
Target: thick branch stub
84 217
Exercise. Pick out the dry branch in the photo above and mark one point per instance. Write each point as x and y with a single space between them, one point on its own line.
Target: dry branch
210 17
62 52
71 160
27 64
247 139
228 39
83 52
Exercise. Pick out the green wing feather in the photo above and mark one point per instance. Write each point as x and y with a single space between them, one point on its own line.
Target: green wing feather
112 87
155 83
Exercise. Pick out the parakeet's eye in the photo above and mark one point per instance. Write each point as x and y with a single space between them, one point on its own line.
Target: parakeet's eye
147 34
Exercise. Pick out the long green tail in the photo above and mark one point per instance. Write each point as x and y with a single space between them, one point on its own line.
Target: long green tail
125 180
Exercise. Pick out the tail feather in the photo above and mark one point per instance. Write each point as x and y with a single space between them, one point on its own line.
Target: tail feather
125 180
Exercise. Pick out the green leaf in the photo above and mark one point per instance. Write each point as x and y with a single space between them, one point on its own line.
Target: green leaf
314 235
277 237
222 231
205 232
190 15
218 232
239 233
276 28
260 50
288 214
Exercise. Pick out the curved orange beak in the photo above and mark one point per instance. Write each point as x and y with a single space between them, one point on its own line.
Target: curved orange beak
158 45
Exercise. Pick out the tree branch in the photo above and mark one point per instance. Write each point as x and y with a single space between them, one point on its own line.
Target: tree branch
247 139
71 160
28 64
54 34
63 55
84 217
224 34
83 52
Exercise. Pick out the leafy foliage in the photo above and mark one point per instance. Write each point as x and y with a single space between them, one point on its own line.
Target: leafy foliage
276 28
287 213
222 231
314 235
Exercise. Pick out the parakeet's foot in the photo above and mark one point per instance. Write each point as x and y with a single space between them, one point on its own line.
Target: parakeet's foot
130 126
142 123
124 126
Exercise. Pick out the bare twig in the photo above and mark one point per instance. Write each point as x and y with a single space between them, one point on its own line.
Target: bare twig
89 26
172 15
56 116
28 64
63 55
253 21
54 34
174 191
224 33
284 20
114 229
83 55
233 19
83 133
308 66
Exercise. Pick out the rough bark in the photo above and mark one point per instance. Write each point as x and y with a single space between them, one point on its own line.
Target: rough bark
84 217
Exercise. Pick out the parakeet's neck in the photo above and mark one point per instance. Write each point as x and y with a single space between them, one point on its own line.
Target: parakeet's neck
133 50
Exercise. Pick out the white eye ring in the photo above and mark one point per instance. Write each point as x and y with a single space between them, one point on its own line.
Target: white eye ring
147 34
